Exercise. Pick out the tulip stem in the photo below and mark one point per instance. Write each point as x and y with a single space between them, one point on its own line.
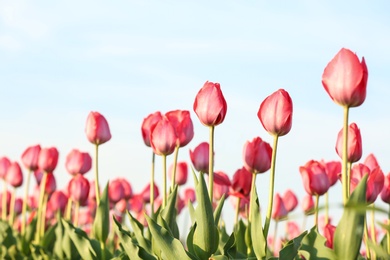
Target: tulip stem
368 252
211 162
97 192
151 201
12 208
271 187
44 209
76 213
40 205
316 211
24 207
174 167
4 205
253 188
327 207
344 170
68 212
164 181
237 211
373 233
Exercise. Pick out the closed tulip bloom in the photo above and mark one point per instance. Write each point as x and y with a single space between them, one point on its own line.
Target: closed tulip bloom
58 201
145 193
279 211
116 191
222 178
355 148
257 155
329 234
375 184
357 172
30 157
293 230
78 162
210 105
200 157
78 189
51 184
18 206
148 124
275 113
290 200
163 137
333 170
189 195
385 194
181 173
345 79
371 162
307 204
314 177
48 158
97 129
220 190
241 184
4 165
182 123
14 175
127 190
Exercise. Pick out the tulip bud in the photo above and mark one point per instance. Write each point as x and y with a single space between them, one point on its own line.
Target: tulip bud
78 162
48 158
241 184
78 189
189 195
329 234
314 178
385 194
375 183
182 123
210 105
279 210
181 173
308 204
146 193
14 175
333 170
290 200
163 137
58 201
30 157
355 149
4 165
116 191
257 155
200 157
275 113
97 129
371 162
148 124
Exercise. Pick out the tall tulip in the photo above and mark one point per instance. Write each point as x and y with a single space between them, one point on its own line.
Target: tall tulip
98 132
78 162
355 150
257 155
181 174
371 161
4 165
200 157
290 200
210 106
14 177
78 190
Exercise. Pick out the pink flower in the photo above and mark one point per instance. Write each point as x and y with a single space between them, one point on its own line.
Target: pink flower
78 189
78 162
257 155
58 201
116 191
148 124
241 184
182 123
371 162
200 157
345 79
210 105
385 194
30 157
290 200
307 204
181 173
189 195
48 158
329 234
275 113
355 149
163 137
4 165
97 129
314 177
14 175
333 170
279 211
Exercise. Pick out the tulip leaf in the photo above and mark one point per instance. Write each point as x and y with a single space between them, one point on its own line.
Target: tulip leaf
218 257
239 234
218 210
139 235
48 239
313 246
349 231
190 239
206 233
101 223
259 243
191 210
290 250
6 237
169 214
170 247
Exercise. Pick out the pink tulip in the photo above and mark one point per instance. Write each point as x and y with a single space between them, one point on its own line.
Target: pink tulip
97 129
329 235
14 175
307 204
290 200
148 124
78 162
116 192
210 105
58 201
293 230
48 158
357 172
182 123
385 194
18 206
121 206
78 189
257 155
189 195
51 184
220 190
355 149
275 113
137 203
181 173
345 79
30 157
4 165
127 190
222 178
371 162
333 170
241 184
163 137
279 211
375 184
314 177
200 157
146 193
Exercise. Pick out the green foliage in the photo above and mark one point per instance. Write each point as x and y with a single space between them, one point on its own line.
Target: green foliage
101 223
259 243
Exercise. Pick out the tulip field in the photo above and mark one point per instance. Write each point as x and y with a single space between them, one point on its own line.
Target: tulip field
89 219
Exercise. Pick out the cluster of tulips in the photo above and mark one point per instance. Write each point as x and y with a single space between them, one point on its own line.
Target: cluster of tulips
83 221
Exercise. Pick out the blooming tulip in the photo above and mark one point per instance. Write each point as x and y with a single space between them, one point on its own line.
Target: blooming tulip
333 170
210 105
97 129
385 194
148 124
314 177
257 155
48 158
220 190
182 123
241 184
51 184
30 157
345 79
181 173
127 190
78 189
4 165
163 137
78 162
290 200
200 157
14 175
146 193
371 162
355 149
375 184
275 113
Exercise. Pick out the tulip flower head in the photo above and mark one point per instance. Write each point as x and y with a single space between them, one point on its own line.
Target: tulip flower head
345 79
371 161
210 105
333 170
385 194
14 175
181 173
279 210
78 189
163 137
275 113
48 158
182 123
30 157
290 200
307 204
314 177
241 184
257 155
4 165
78 162
148 124
97 129
355 148
200 157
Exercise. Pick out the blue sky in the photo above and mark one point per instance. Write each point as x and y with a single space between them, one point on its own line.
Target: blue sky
127 59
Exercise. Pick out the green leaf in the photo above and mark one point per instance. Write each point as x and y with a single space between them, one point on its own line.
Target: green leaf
48 239
313 246
171 248
290 251
191 210
218 257
206 233
380 252
169 213
139 235
190 239
349 231
218 210
101 223
230 248
239 234
6 237
257 236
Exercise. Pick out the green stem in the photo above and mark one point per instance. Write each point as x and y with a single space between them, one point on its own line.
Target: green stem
344 170
211 162
368 253
253 187
103 248
327 207
271 187
174 167
237 212
76 213
164 181
40 205
316 211
43 219
24 207
97 191
12 208
4 205
373 233
152 187
68 212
